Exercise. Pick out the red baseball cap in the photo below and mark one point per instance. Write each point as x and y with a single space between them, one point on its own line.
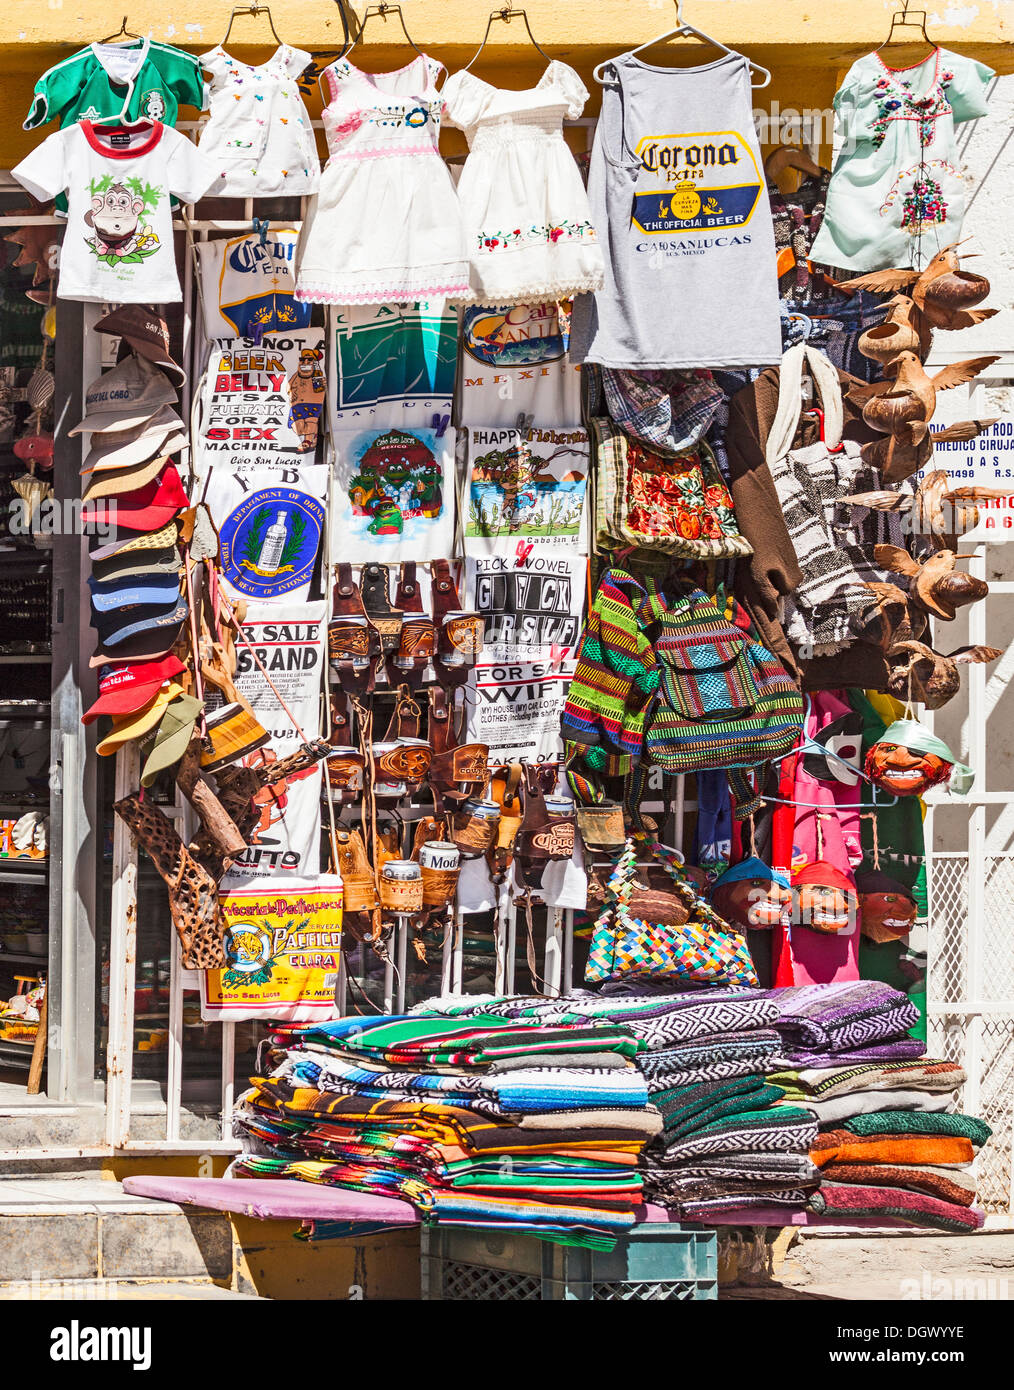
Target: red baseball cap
147 508
124 689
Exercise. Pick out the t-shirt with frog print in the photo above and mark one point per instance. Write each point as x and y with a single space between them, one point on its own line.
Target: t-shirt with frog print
118 246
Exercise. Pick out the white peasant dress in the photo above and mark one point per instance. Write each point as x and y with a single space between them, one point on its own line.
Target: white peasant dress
259 135
386 226
527 217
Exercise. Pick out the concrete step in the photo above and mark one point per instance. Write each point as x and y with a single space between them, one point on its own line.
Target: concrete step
120 1290
54 1229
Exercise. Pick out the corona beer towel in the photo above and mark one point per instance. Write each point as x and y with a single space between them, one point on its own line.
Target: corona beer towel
288 640
269 529
283 948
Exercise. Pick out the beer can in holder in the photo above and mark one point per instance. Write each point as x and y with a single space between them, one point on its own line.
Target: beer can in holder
474 828
351 638
401 766
401 886
346 768
417 643
461 635
439 861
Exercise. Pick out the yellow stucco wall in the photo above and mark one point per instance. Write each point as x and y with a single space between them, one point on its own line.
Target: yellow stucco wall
806 43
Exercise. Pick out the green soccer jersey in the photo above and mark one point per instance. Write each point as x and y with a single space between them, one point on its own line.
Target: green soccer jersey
138 81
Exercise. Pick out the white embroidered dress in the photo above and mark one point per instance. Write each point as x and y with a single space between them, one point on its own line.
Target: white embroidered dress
386 225
259 133
530 233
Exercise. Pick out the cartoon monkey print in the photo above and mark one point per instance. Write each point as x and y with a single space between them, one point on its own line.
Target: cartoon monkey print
115 218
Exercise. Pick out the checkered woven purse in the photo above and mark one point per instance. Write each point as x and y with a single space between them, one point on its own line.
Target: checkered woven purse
704 948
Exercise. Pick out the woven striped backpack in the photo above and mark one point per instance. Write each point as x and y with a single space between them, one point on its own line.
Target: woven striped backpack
723 700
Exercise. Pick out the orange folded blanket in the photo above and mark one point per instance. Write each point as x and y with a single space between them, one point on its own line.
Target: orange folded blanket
839 1146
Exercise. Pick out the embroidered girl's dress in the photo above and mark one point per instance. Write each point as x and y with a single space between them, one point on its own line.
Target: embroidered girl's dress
897 195
529 227
386 224
259 134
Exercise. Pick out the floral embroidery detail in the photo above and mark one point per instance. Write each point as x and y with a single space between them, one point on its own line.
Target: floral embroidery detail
923 207
676 498
551 232
350 124
897 102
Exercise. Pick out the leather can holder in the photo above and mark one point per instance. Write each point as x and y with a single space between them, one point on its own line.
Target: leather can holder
459 633
601 827
401 760
458 770
374 584
543 838
417 639
353 643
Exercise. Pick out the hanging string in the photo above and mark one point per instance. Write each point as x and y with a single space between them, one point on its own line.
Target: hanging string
753 842
872 818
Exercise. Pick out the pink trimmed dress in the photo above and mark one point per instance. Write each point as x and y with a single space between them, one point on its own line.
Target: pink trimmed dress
386 224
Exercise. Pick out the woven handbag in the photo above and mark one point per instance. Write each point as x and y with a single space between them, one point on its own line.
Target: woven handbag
679 505
723 700
704 948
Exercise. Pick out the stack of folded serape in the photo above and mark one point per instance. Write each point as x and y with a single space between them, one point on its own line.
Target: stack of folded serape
481 1119
886 1147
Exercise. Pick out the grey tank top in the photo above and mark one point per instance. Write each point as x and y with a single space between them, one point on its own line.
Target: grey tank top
679 200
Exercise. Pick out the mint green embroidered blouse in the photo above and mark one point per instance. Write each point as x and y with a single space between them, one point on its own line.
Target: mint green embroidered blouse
897 194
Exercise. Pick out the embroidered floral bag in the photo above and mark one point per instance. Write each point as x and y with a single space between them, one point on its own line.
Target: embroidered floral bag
676 504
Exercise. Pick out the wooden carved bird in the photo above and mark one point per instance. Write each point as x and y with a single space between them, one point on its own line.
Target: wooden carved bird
943 291
919 673
903 330
896 458
904 404
934 509
937 585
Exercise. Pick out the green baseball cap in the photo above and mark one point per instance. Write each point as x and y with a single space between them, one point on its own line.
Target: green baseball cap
171 738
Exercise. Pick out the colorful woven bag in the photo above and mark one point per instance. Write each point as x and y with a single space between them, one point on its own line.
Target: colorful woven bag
678 504
723 700
704 948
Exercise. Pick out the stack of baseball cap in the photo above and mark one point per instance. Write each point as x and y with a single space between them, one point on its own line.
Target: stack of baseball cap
134 495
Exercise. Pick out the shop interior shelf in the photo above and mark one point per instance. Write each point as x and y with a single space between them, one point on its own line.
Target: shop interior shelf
20 958
27 872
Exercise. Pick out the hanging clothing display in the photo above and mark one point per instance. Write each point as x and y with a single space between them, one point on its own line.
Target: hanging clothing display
259 134
248 285
524 206
386 224
515 363
138 81
525 485
392 363
393 496
678 196
897 193
118 179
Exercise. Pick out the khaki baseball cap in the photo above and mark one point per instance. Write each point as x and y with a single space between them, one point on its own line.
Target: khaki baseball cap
115 481
164 433
132 726
128 395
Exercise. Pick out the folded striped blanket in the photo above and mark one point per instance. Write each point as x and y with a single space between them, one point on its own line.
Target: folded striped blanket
689 1108
823 1083
788 1169
935 1182
662 1020
898 1050
716 1056
779 1128
843 1200
839 1018
529 1091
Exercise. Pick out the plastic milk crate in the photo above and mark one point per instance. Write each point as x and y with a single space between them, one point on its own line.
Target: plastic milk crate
653 1262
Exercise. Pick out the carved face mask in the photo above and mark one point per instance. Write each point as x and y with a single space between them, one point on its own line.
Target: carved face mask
825 899
752 896
887 909
907 760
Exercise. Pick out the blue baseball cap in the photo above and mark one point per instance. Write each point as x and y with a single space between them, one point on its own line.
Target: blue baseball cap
143 591
116 628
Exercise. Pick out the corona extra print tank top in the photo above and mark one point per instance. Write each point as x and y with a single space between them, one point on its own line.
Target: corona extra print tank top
678 197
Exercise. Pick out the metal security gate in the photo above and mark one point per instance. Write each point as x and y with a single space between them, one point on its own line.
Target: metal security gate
971 892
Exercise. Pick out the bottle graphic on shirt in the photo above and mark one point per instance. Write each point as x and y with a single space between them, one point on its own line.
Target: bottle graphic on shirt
270 557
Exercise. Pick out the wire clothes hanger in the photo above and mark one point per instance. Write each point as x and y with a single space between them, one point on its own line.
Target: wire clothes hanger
683 29
808 745
903 19
381 12
506 13
255 10
122 33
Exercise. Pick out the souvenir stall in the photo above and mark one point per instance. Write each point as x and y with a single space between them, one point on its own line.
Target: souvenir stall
518 581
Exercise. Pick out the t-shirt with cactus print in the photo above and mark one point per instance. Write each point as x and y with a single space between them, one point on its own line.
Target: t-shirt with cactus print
119 181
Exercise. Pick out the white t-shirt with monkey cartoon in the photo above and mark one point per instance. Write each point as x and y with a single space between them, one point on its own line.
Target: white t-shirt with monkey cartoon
119 180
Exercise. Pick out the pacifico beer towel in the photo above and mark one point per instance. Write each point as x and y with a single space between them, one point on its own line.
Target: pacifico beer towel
283 948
